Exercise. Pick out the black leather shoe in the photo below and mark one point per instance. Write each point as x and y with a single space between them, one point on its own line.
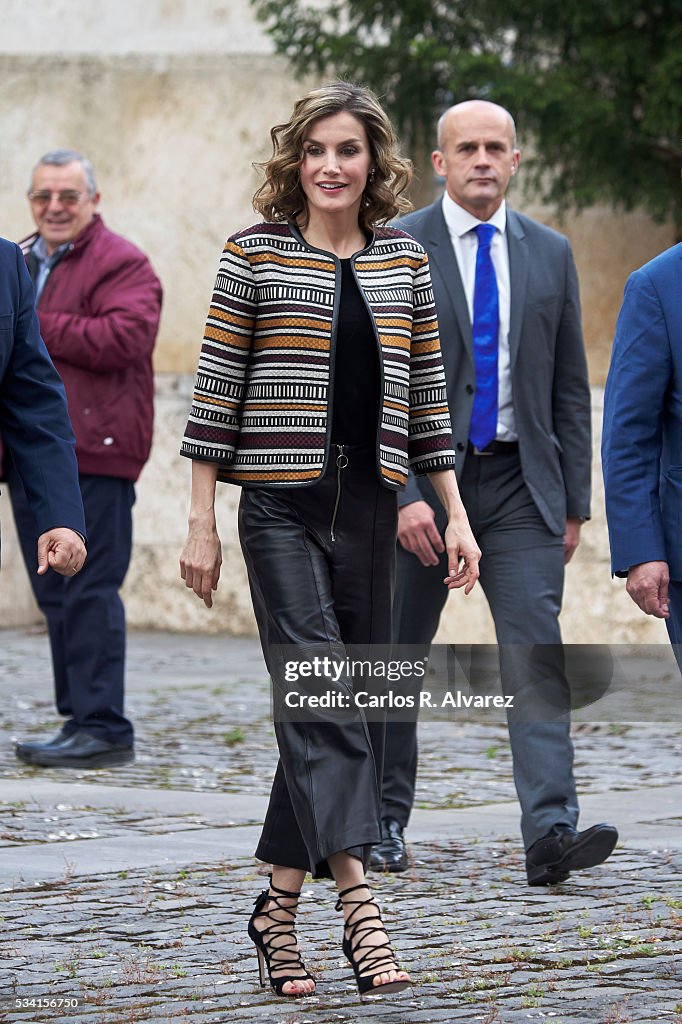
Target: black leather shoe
82 750
552 858
25 751
390 854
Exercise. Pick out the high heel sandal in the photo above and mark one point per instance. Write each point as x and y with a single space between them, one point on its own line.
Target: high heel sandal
274 955
376 958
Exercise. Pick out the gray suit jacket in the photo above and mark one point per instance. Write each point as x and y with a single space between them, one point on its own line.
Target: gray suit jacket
550 388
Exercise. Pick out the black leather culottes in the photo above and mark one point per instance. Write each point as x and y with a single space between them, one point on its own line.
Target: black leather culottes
321 563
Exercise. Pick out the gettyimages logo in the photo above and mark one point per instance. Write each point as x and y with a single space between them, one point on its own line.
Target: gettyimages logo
335 669
522 683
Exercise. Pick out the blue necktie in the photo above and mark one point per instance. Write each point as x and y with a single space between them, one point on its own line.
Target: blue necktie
485 329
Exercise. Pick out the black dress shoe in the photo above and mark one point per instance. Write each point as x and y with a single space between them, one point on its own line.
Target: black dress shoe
82 750
563 850
25 751
390 854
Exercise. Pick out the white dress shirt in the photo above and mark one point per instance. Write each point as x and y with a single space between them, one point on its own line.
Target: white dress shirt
461 227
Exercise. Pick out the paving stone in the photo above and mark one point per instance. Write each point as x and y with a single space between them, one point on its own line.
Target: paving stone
166 943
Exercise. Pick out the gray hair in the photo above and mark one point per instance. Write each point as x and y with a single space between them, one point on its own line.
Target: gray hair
60 157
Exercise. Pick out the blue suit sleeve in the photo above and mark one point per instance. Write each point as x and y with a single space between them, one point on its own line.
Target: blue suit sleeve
639 376
34 419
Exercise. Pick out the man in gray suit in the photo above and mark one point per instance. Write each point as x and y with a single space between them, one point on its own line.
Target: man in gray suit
521 425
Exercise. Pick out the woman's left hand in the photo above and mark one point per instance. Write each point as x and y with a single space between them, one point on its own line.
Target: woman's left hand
461 548
460 543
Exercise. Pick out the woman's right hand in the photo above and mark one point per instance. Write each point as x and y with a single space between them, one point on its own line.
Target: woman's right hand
201 558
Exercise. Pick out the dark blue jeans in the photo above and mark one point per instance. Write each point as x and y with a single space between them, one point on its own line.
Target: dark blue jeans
85 615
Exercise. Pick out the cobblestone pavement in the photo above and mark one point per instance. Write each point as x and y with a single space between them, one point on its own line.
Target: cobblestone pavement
167 943
159 946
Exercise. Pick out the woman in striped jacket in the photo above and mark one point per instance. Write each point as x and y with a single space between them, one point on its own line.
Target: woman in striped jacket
320 380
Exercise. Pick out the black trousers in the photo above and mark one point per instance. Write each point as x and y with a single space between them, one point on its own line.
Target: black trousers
85 615
321 565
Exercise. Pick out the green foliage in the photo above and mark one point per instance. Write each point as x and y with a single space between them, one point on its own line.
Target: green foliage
598 87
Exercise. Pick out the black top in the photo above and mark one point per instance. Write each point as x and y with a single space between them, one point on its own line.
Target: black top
355 415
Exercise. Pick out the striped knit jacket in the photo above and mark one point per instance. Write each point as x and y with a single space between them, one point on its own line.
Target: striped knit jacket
264 386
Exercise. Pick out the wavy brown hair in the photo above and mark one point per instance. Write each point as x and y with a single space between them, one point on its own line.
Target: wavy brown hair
281 197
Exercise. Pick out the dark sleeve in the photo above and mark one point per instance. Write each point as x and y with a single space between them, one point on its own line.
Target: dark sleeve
571 404
638 381
34 419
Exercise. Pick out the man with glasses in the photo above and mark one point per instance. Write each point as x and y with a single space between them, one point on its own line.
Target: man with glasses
98 302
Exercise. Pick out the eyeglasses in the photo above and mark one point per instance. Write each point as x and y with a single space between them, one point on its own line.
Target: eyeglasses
66 196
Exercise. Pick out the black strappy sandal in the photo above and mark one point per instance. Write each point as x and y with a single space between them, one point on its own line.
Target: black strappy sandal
368 960
278 956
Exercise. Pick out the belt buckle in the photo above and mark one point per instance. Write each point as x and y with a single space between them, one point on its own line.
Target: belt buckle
479 451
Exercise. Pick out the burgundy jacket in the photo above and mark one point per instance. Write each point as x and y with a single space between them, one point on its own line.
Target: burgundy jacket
99 315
